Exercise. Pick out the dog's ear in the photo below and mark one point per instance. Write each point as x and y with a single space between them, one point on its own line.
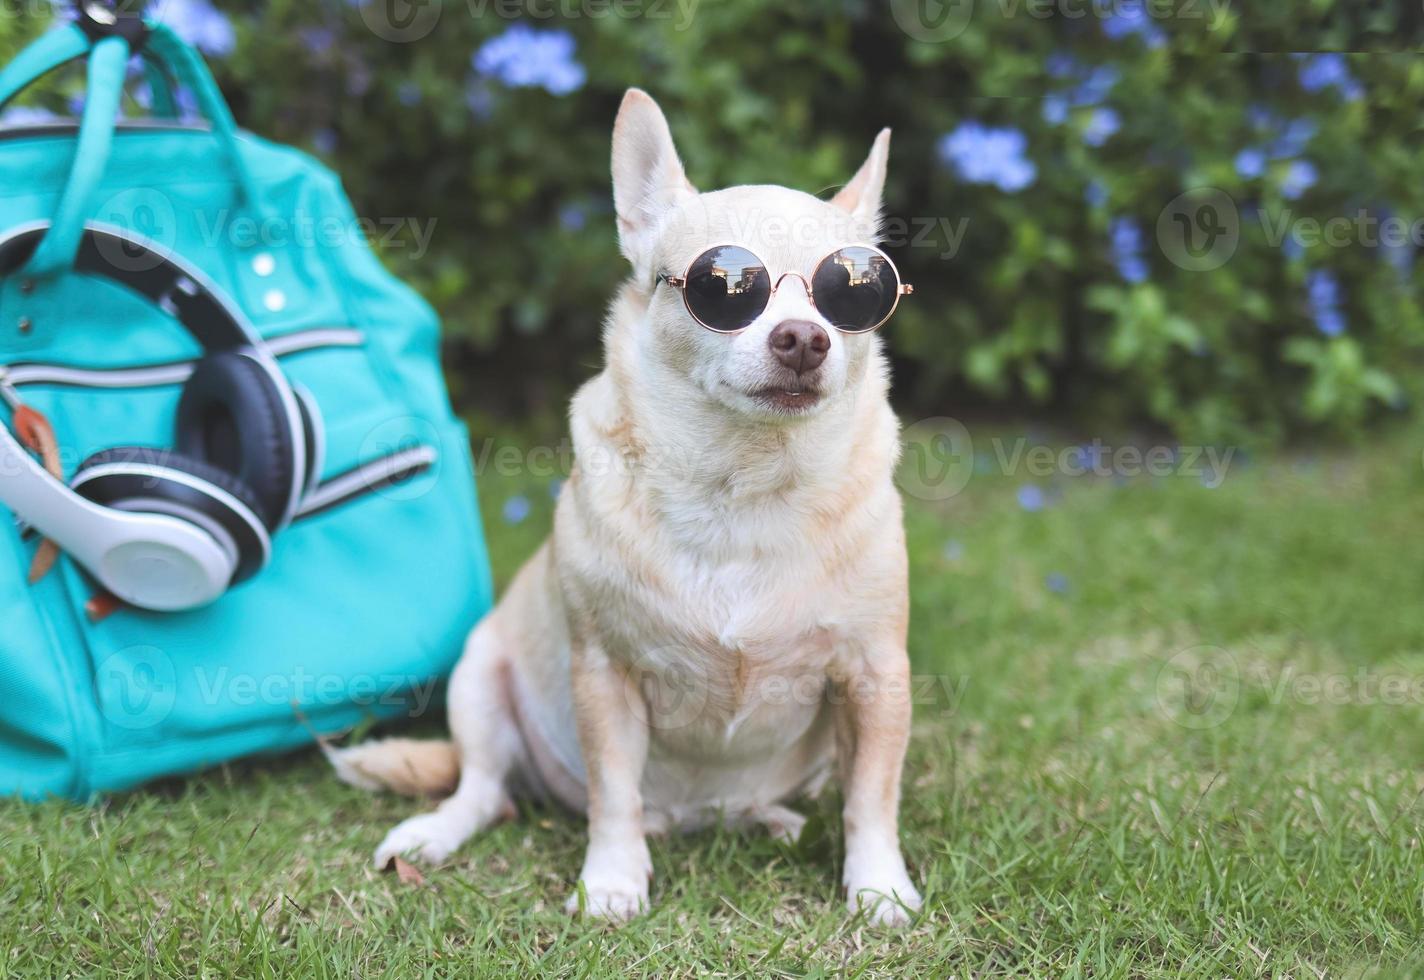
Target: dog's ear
647 174
861 197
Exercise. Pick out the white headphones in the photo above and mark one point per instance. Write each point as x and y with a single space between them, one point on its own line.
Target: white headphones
169 530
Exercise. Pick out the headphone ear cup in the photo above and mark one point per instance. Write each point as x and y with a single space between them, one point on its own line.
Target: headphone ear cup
155 481
233 416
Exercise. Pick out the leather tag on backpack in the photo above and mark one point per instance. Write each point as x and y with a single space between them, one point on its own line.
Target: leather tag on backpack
37 435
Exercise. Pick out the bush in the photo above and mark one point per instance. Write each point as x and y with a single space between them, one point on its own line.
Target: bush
1036 188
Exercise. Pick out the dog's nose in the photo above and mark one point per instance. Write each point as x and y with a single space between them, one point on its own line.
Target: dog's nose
800 345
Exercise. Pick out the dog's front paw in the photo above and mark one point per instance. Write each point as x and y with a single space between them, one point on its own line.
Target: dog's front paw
885 906
430 838
614 882
615 901
882 890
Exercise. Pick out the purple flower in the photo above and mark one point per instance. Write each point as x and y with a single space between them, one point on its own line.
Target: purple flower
516 509
317 40
1127 247
24 115
1090 455
1300 177
572 217
358 80
478 98
198 23
186 102
1056 582
1324 291
987 155
1250 163
1133 21
1060 64
1032 498
1095 194
408 94
1324 71
1096 86
325 141
1055 109
522 57
1103 123
1399 254
1294 138
1092 88
1260 117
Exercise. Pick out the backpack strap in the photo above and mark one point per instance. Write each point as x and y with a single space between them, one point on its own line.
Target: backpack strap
64 45
108 64
107 70
47 53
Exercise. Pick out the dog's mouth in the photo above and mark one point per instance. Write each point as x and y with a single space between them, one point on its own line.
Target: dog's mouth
788 398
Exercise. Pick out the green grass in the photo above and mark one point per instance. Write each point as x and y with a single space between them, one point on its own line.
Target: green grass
1066 811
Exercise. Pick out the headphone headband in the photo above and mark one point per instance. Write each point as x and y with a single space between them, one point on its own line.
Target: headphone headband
140 264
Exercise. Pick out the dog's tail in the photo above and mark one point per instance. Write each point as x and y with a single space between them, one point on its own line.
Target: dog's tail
411 767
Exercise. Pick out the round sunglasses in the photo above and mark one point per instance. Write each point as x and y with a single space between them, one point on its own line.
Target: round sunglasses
856 288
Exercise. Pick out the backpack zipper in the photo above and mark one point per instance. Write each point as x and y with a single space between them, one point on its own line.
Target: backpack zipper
367 478
8 394
173 373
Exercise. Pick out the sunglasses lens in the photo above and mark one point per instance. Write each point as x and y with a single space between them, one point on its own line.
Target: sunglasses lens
727 288
856 288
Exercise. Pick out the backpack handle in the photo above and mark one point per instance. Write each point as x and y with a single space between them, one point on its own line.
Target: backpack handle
107 69
62 46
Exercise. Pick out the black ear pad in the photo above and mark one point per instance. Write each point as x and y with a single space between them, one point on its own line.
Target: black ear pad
314 430
142 480
232 416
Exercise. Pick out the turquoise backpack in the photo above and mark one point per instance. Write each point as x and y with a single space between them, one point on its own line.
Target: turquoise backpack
369 594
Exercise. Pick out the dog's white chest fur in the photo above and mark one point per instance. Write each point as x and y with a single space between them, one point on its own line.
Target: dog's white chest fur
728 620
745 674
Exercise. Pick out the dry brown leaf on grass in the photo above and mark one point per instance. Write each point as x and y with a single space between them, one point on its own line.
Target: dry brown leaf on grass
408 873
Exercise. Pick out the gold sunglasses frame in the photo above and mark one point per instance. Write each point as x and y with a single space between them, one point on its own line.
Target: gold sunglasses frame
902 288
